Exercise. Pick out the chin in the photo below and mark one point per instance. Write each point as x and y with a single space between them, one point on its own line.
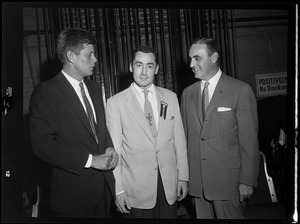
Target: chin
198 76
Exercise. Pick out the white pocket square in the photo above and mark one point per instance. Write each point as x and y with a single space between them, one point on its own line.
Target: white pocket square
222 109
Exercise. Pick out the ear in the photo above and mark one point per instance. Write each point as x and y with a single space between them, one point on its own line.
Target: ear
70 56
156 69
215 57
130 67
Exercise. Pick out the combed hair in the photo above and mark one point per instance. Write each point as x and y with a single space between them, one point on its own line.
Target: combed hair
145 49
212 45
72 39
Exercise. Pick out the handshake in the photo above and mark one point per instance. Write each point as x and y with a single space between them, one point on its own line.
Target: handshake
106 161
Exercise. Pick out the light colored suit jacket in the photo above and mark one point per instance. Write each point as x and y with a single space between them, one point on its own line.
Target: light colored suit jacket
140 157
222 150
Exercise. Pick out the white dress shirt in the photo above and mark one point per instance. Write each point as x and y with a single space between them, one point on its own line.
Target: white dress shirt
75 84
151 97
212 84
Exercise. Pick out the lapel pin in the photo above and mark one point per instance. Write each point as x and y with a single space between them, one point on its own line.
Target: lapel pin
163 109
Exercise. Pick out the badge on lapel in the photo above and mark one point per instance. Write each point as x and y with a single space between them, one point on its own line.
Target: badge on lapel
163 109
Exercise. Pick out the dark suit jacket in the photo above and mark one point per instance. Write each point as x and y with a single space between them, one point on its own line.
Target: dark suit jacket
62 136
223 149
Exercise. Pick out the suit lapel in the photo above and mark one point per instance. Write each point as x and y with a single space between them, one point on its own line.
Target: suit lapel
217 97
137 113
96 103
198 101
71 100
160 97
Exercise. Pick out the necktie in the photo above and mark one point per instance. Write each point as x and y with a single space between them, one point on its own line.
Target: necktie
149 115
205 99
89 111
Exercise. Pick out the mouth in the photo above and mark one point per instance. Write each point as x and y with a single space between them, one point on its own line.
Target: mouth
143 78
195 70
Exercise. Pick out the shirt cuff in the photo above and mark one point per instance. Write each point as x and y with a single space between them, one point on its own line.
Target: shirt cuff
89 161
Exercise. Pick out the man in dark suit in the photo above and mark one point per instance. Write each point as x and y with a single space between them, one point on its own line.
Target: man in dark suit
68 130
222 139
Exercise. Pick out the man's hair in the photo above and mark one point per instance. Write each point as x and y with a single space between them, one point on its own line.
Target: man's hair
212 45
145 49
72 39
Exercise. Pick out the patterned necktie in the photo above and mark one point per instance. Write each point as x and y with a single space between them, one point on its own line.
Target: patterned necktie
205 99
89 111
149 115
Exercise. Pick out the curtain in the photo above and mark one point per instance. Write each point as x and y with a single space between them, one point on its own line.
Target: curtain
120 30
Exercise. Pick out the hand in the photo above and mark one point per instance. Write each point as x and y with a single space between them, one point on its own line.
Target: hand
114 157
245 191
182 191
122 203
101 161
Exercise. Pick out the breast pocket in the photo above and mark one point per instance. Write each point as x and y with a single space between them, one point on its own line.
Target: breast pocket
167 127
227 119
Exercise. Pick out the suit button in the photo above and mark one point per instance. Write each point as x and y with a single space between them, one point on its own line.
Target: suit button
202 139
155 168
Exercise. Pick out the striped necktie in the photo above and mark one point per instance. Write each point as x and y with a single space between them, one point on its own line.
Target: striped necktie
149 115
89 111
205 99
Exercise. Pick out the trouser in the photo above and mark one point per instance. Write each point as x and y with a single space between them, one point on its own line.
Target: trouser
161 210
102 210
222 209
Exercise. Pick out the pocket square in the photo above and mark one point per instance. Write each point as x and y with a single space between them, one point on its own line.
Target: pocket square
222 109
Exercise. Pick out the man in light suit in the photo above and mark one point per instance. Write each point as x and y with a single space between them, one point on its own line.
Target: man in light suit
82 183
152 173
222 145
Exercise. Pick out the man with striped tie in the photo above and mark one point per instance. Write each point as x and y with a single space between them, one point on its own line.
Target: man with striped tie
68 130
220 120
146 128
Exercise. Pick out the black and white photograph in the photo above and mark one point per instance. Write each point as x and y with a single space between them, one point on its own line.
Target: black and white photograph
156 112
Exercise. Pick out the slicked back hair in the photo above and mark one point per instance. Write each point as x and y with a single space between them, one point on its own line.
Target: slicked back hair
212 45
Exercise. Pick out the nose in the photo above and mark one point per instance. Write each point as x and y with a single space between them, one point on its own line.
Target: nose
95 59
192 63
144 71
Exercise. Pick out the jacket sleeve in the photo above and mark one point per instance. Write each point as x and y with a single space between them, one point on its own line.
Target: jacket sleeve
113 121
180 143
247 120
46 137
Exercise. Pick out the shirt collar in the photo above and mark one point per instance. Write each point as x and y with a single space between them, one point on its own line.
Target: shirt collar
214 80
74 82
140 91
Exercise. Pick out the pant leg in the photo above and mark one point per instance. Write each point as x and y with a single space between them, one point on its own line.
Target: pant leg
204 208
232 209
102 210
162 209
